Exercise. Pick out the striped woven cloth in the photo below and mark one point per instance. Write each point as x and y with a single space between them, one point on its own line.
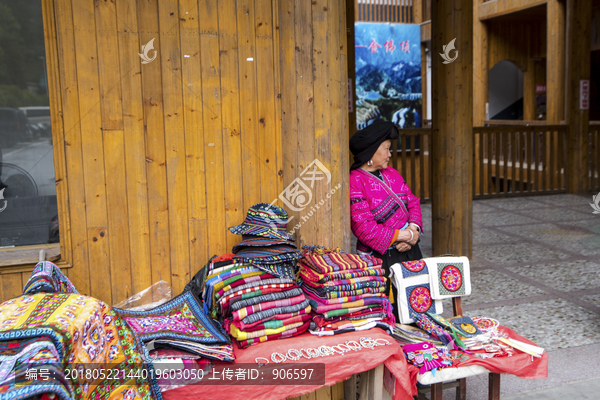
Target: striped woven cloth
273 324
308 274
226 301
242 335
246 311
284 335
264 314
348 295
334 262
282 316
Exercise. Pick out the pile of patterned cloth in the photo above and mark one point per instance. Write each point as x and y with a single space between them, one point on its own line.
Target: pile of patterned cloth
346 291
254 293
180 324
51 329
265 242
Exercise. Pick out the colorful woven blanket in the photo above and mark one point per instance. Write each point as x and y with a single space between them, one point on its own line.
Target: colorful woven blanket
268 305
282 335
308 274
334 262
277 317
46 277
82 330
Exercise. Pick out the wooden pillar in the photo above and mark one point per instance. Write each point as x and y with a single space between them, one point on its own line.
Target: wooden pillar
579 20
350 18
452 127
480 69
555 62
529 81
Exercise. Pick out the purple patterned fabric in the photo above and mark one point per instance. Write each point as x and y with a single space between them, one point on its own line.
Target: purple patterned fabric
376 213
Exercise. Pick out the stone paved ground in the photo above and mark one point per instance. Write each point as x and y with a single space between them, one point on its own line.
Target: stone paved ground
536 268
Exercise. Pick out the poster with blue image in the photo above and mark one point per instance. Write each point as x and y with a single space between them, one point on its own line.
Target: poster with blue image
388 73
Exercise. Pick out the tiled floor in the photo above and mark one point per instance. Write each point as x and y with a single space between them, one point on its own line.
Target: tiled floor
536 268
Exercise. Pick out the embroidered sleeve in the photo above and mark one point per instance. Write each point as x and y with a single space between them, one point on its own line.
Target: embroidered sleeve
363 224
414 206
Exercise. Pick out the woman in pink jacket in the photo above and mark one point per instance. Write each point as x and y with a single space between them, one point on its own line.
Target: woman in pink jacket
385 215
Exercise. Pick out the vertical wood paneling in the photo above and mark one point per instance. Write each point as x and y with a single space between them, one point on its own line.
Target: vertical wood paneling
53 74
265 85
109 74
91 143
158 159
116 200
232 144
191 83
248 97
158 213
305 102
289 115
69 97
135 146
170 57
11 285
211 100
322 118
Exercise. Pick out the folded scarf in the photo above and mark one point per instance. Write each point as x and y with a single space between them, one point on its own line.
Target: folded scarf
321 308
273 324
283 335
249 310
286 294
334 262
263 315
376 312
239 283
346 311
344 324
338 300
242 335
275 318
308 274
226 301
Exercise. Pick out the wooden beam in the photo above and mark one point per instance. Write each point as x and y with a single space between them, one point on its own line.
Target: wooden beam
350 388
579 20
452 128
425 31
496 8
529 81
555 62
494 386
480 72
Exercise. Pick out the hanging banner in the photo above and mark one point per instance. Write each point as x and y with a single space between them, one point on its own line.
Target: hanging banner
388 73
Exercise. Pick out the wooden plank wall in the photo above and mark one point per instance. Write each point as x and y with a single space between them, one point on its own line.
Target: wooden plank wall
155 161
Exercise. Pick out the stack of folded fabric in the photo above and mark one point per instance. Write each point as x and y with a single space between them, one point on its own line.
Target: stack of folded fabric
255 293
181 324
346 291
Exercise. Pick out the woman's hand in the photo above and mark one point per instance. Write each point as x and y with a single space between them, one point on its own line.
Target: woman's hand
403 246
416 234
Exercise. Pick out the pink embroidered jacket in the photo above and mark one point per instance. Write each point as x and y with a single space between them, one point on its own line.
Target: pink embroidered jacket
376 213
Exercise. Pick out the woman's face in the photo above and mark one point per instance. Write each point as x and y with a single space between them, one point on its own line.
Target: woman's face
382 156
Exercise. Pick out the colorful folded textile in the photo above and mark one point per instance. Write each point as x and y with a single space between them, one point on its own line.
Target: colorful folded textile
179 318
247 311
264 220
345 324
346 311
272 324
324 294
257 241
262 315
216 352
268 251
338 300
82 330
321 308
308 274
376 312
249 326
258 283
225 302
267 298
284 335
334 262
241 335
46 277
377 324
282 269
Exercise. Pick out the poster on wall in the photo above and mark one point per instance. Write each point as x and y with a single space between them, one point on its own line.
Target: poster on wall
388 73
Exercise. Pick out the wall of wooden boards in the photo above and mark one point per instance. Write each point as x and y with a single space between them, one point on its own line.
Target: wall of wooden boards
155 161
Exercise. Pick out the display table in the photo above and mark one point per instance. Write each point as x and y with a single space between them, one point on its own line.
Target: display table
337 367
520 364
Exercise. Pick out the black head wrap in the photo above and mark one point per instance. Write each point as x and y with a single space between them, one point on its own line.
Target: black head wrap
364 143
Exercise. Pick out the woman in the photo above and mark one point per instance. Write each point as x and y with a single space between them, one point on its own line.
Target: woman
385 215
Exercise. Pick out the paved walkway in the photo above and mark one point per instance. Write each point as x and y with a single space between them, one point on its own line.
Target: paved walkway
536 269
